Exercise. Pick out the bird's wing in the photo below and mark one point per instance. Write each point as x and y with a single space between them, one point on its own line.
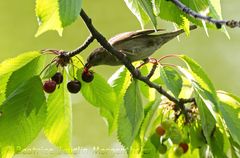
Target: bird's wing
127 35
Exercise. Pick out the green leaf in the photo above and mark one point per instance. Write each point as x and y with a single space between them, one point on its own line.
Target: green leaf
217 144
100 94
148 121
172 79
156 7
235 148
58 126
150 150
187 90
51 70
77 63
130 116
148 92
169 12
27 71
138 11
207 119
200 82
120 81
24 62
146 5
55 15
23 116
205 94
13 64
196 136
230 110
135 150
7 152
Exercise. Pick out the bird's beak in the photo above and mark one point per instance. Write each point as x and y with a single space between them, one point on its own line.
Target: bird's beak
87 66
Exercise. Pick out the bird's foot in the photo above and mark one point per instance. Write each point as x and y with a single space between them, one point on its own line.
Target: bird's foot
147 60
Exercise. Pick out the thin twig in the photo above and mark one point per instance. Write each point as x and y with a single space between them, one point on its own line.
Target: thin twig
88 41
151 73
194 14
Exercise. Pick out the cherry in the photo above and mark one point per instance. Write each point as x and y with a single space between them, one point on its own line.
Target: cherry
162 149
74 86
178 151
184 146
167 124
49 86
87 75
58 78
160 130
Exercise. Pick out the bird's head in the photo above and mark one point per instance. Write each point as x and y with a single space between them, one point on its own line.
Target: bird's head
97 57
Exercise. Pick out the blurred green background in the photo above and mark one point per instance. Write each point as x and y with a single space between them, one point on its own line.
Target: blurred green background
218 55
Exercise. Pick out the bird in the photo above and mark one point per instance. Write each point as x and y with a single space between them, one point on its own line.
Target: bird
136 45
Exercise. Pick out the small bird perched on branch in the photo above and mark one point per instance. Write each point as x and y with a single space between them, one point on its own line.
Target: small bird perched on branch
136 45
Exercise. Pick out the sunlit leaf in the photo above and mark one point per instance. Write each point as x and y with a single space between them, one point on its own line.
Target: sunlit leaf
230 110
51 70
151 115
120 81
138 11
205 94
55 15
100 94
172 80
23 116
146 5
58 126
30 64
130 116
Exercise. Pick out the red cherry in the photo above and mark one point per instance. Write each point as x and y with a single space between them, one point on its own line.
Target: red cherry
160 130
184 146
49 86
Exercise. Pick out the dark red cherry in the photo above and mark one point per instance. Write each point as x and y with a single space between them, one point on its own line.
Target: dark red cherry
49 86
58 77
87 75
184 146
160 130
74 86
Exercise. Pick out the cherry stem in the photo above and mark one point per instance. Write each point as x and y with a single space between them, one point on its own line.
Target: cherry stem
168 64
79 60
54 59
167 56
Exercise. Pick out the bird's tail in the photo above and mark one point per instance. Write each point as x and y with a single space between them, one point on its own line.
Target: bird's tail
171 35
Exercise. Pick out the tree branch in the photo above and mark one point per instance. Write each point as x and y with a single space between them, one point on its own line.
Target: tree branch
194 14
88 41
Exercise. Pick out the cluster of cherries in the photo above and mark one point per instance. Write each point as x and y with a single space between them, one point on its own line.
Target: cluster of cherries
179 150
73 86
